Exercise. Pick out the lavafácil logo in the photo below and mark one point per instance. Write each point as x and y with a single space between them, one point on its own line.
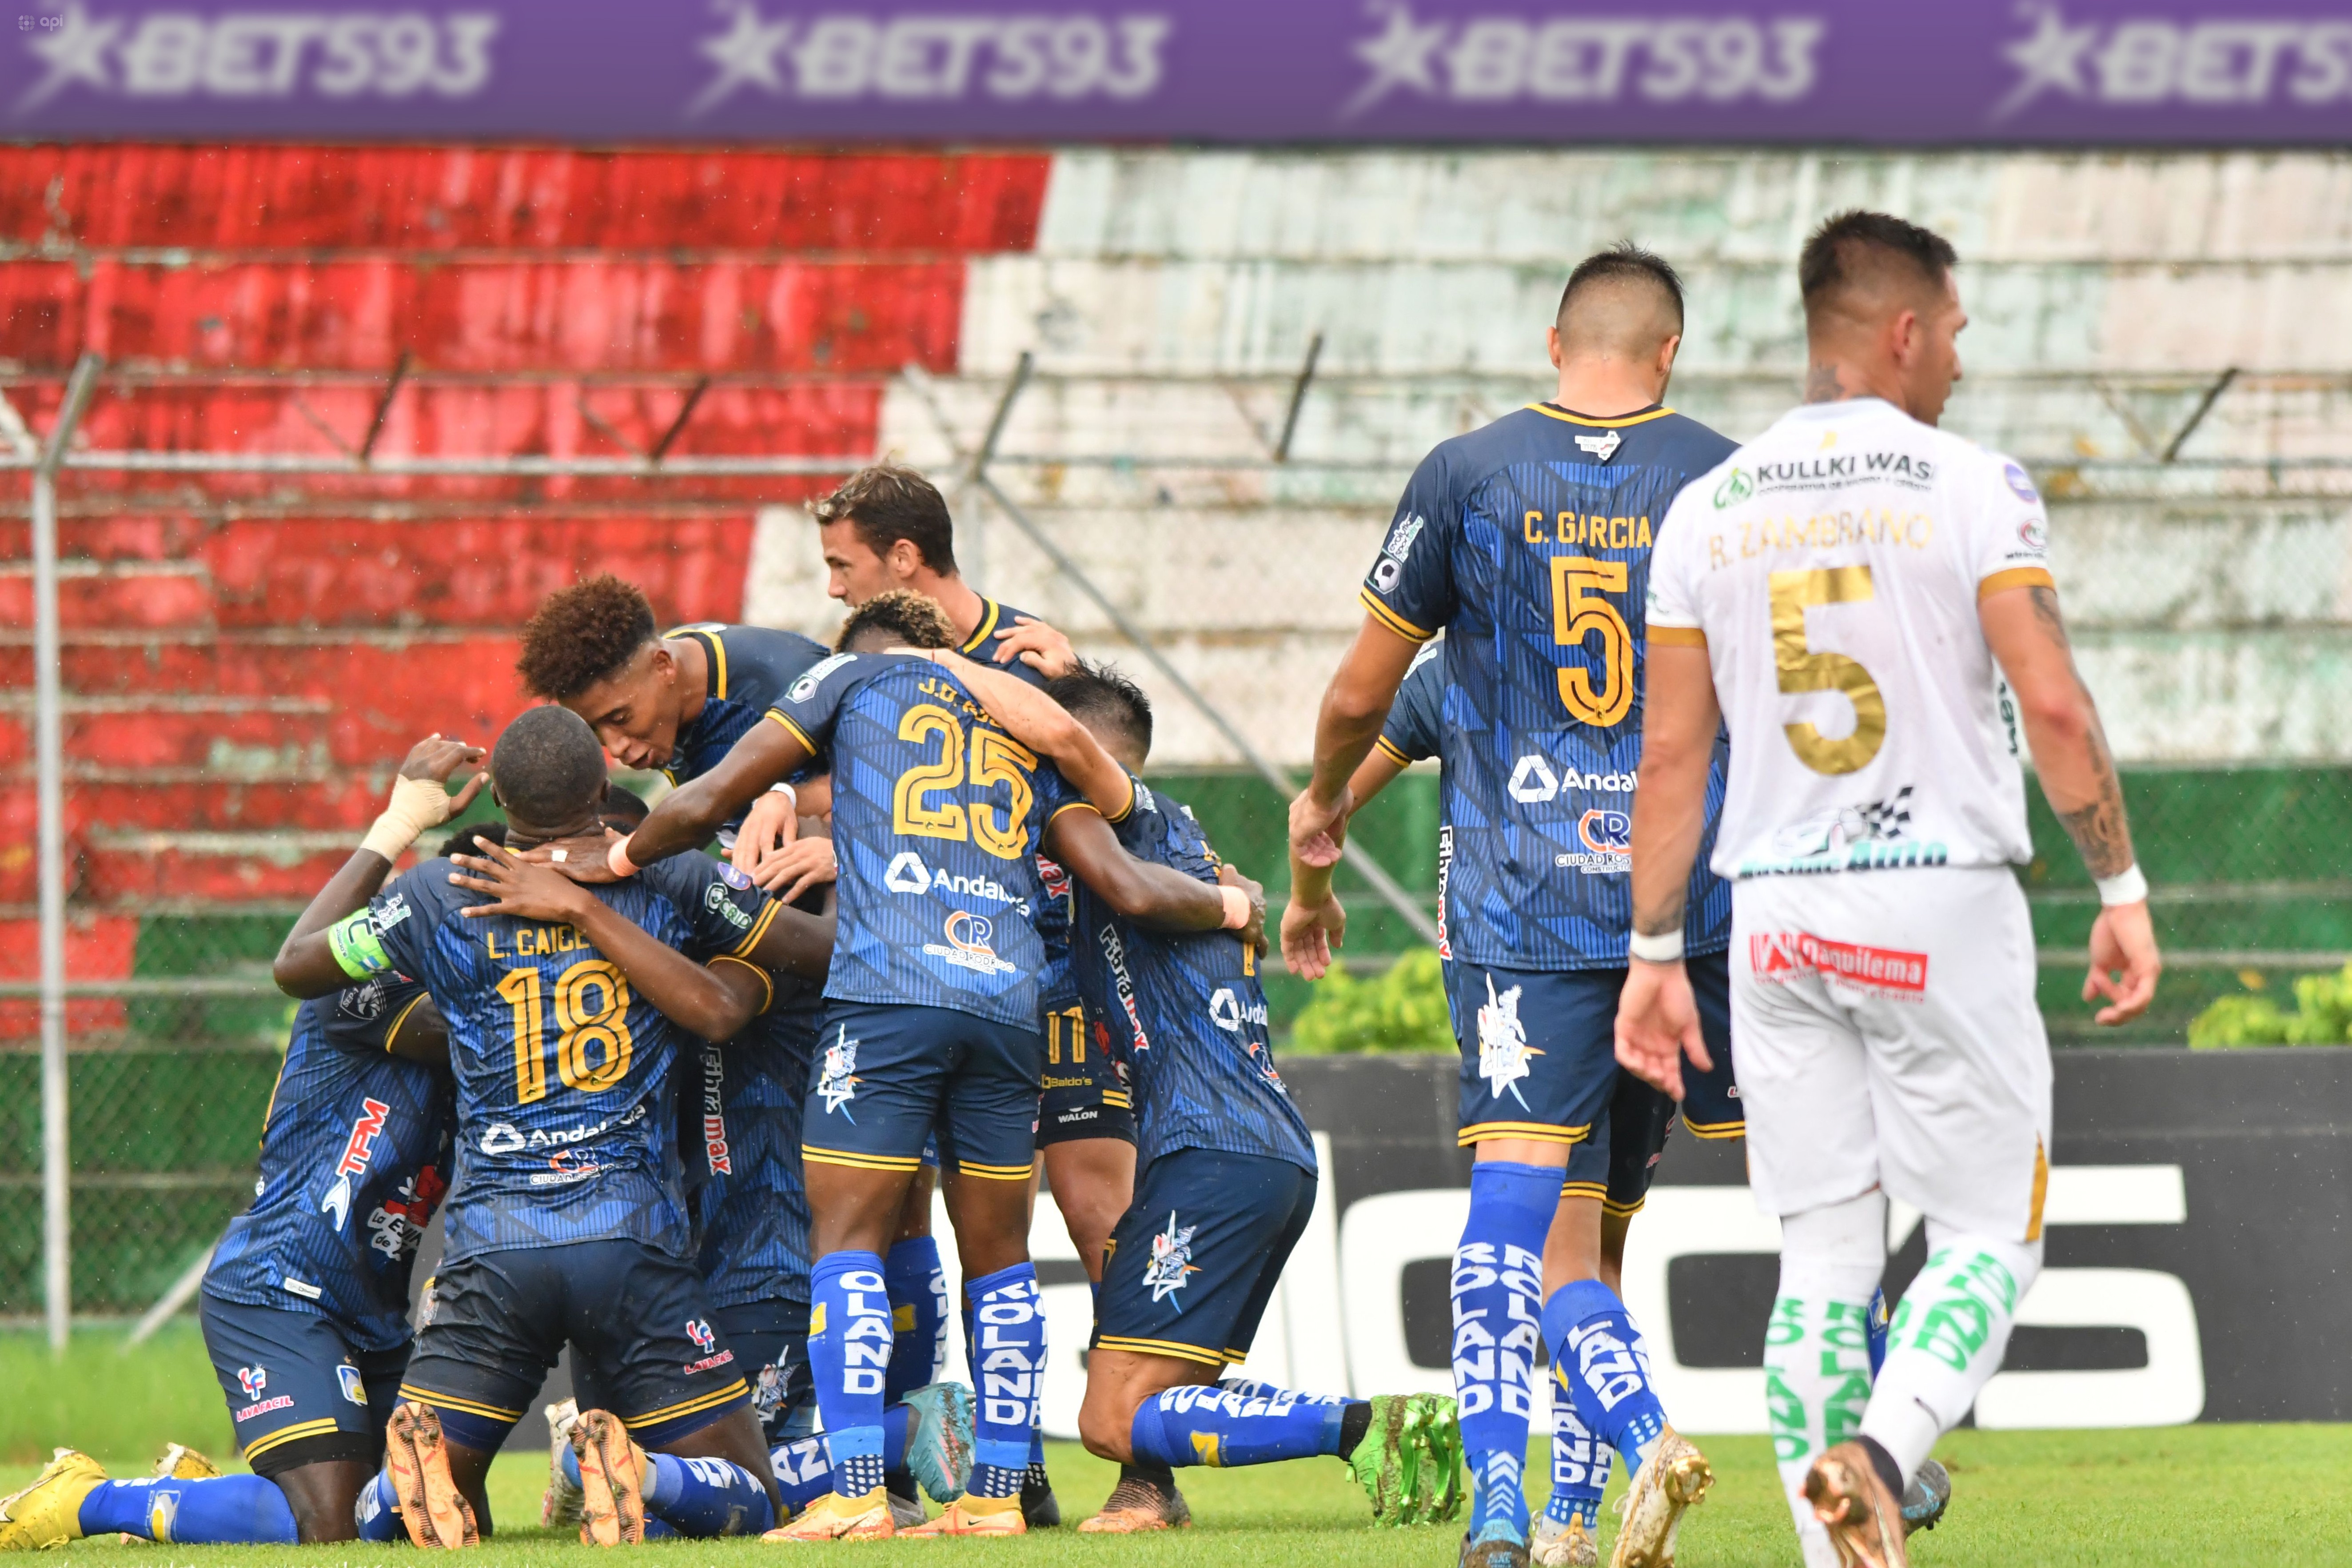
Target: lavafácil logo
261 54
1735 487
967 945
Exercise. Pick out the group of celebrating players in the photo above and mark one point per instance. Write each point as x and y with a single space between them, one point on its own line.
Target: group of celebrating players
1726 754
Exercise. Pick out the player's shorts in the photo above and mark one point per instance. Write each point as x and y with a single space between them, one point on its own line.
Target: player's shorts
1616 1162
1889 1036
1086 1093
638 1317
1539 1054
896 1073
770 1340
1194 1260
297 1393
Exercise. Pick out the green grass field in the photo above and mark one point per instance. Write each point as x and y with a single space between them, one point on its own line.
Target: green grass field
2176 1496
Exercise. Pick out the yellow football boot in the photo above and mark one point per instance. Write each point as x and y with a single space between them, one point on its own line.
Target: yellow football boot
182 1463
970 1515
49 1512
837 1517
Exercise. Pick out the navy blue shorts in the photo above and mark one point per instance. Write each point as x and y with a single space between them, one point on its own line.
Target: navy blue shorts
1540 1061
297 1393
884 1077
1193 1261
770 1340
639 1318
1086 1093
1616 1162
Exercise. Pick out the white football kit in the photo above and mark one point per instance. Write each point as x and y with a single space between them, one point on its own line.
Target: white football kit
1883 961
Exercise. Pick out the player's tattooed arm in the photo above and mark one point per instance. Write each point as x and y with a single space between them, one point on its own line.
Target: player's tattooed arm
1159 898
1043 725
695 998
307 965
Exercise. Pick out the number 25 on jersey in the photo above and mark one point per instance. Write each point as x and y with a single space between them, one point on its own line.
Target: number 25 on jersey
996 758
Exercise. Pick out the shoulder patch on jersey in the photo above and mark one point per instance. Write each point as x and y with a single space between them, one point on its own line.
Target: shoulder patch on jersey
2021 484
806 686
1394 553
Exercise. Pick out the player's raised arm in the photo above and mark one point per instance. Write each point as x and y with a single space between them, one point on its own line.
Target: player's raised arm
306 964
2028 636
1657 1018
1159 897
1037 722
712 1003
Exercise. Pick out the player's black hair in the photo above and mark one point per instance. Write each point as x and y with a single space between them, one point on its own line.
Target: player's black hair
583 635
1853 245
621 808
888 502
467 840
1100 694
907 618
1623 262
547 765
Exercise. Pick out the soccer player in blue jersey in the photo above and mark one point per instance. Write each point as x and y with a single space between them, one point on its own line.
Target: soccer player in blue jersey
1229 1171
1527 543
305 1305
887 527
678 701
931 1019
565 1006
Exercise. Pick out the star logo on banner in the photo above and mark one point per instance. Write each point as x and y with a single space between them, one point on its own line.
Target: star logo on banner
75 51
745 53
1398 57
2052 57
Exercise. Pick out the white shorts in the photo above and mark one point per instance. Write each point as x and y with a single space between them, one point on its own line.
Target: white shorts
1888 1037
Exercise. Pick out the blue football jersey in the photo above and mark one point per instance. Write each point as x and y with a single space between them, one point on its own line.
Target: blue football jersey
740 1131
750 667
355 1155
1527 543
566 1077
1183 1011
938 815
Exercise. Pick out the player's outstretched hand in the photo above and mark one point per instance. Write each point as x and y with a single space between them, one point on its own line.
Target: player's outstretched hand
1038 646
802 864
1253 932
769 826
1309 932
1317 831
1657 1026
437 759
586 860
518 888
2123 962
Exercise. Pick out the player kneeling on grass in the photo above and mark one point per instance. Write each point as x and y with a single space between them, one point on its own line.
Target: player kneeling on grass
568 1007
1228 1173
305 1307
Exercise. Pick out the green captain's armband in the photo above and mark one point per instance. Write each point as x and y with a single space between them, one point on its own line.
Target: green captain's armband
357 947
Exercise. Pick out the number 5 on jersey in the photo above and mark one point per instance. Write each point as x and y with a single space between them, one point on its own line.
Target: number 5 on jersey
1802 669
1577 610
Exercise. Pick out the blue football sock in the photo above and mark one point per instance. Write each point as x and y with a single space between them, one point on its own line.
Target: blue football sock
1594 1341
376 1515
849 1352
1008 1365
216 1510
1220 1427
658 1529
1498 1286
1875 1330
919 1313
1580 1463
707 1496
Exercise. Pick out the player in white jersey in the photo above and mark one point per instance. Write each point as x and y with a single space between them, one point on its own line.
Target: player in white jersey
1848 591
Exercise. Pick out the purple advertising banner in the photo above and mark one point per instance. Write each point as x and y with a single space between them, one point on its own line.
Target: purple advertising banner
1546 72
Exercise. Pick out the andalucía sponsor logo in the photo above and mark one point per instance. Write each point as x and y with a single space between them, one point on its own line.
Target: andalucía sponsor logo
1780 957
1545 58
922 56
260 54
2226 60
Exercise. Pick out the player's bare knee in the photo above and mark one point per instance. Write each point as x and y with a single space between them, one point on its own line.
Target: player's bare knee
1106 1424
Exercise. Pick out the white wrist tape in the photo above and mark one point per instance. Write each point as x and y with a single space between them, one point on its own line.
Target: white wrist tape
792 797
1666 947
2128 886
415 806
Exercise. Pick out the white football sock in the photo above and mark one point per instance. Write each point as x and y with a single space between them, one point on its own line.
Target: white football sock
1817 1348
1945 1340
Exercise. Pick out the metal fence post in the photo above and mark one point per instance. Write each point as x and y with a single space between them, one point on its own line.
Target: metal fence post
56 1210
